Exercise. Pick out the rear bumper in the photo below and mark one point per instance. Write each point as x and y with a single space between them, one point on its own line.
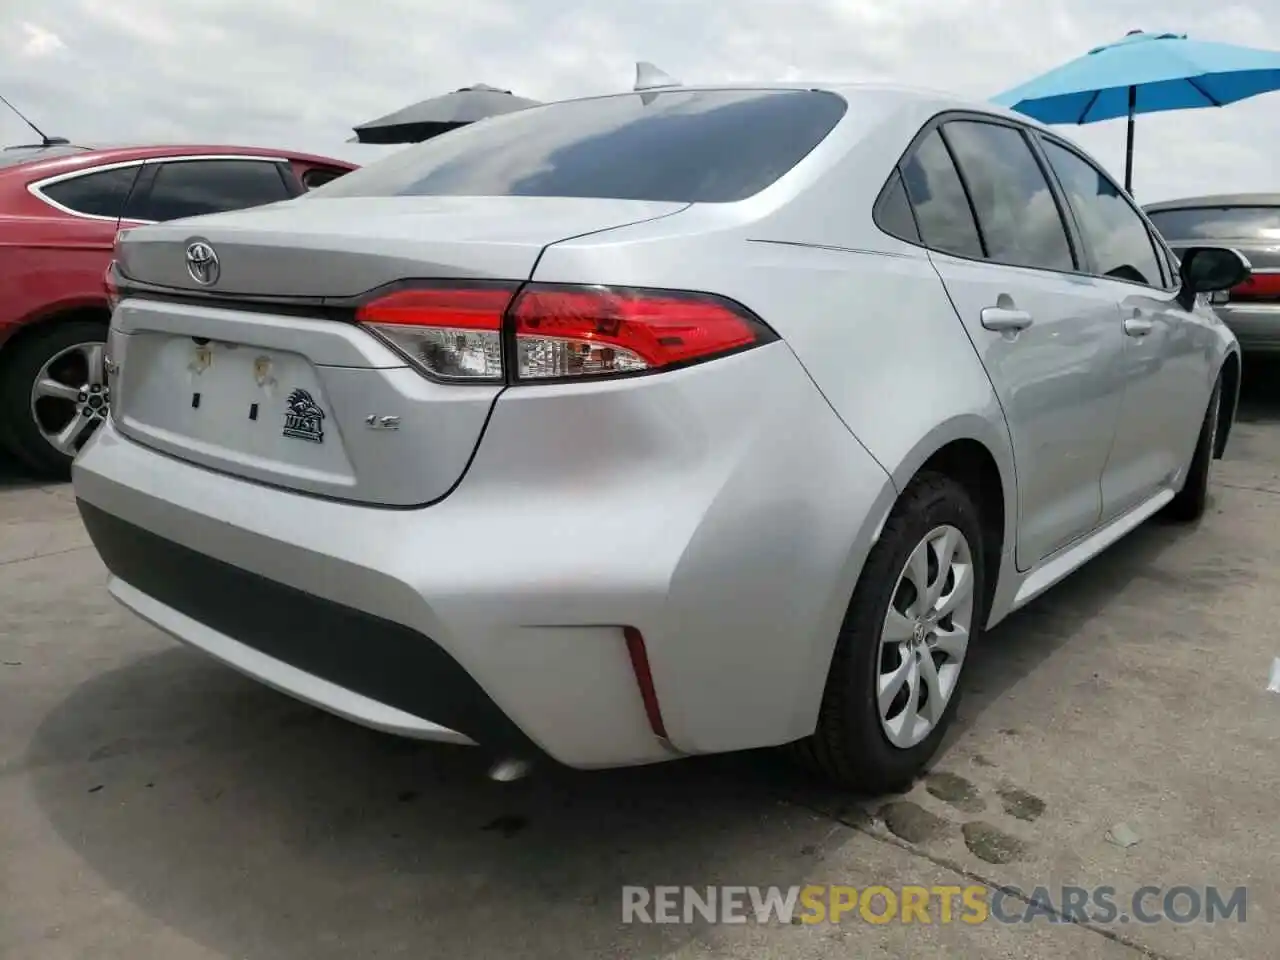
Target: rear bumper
1256 326
369 669
722 511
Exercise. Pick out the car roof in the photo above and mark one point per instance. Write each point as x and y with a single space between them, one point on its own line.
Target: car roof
1217 200
40 162
25 153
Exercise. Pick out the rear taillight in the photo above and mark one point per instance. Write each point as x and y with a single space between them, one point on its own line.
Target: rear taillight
451 332
481 334
110 288
574 332
1259 286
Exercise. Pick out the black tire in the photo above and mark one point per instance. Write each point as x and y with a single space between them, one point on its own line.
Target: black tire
1190 503
20 364
849 746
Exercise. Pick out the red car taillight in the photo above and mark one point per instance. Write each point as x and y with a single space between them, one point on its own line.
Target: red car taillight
577 332
109 286
1259 286
492 333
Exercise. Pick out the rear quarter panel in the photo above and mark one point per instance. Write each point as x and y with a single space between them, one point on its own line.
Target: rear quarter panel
870 323
50 264
865 313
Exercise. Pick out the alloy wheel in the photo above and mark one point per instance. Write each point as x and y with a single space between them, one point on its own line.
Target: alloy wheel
925 637
70 397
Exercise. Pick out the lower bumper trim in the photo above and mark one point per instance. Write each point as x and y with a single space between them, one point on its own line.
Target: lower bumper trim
384 661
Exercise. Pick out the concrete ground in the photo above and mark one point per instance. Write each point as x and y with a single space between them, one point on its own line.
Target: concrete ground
154 804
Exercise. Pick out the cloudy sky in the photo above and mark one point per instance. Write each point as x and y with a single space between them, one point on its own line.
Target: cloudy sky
300 73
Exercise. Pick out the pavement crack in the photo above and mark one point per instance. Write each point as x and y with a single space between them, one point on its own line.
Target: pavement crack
41 556
861 825
1252 489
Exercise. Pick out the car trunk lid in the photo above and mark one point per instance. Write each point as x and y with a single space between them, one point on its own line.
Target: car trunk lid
342 247
262 374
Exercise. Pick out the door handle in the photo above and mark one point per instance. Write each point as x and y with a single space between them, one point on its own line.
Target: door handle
1004 319
1138 326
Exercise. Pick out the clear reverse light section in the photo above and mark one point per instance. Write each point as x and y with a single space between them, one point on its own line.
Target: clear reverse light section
449 353
451 333
544 357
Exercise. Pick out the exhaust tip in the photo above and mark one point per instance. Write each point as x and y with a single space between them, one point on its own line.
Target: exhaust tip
507 771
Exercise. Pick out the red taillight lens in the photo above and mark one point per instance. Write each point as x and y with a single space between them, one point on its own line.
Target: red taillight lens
582 332
452 332
456 332
1259 286
110 287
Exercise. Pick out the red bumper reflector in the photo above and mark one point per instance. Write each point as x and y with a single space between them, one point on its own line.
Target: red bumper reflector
644 679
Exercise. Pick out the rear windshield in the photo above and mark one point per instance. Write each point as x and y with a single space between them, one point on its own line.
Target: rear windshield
1218 223
687 146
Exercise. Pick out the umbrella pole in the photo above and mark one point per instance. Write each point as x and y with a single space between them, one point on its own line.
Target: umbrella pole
1128 150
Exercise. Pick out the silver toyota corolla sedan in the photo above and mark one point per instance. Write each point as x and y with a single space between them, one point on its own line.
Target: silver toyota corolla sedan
634 427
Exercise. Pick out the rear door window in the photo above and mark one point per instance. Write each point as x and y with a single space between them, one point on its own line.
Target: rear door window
100 194
190 188
685 146
1115 233
938 198
1217 223
1017 212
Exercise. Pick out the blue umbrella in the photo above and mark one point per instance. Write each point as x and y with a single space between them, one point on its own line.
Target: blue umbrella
1145 73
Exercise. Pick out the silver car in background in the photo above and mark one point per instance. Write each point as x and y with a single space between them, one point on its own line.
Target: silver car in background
642 426
1250 223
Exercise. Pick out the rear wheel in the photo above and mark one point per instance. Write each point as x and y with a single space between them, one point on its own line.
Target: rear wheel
54 394
894 683
1190 503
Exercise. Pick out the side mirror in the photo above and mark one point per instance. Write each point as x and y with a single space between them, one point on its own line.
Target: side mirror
1211 269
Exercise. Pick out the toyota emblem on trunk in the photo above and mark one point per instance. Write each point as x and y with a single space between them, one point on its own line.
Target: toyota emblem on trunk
202 263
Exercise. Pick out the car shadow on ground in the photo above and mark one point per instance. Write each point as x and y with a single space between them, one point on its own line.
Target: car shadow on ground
15 477
1260 392
260 827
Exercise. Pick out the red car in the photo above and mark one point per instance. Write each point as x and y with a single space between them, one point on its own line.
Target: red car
60 208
